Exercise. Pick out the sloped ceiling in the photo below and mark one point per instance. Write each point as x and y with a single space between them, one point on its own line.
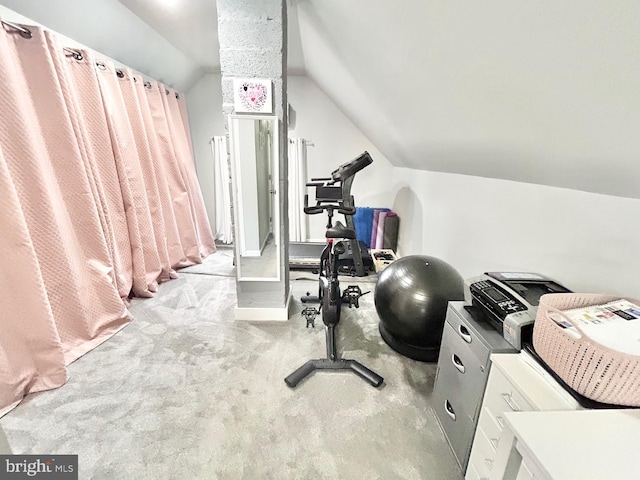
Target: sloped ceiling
542 92
190 26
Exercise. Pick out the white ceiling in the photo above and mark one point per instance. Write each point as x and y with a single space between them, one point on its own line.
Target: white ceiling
543 92
192 27
189 25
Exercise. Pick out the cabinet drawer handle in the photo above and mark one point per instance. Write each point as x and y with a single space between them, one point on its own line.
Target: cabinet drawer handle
494 442
500 422
509 400
464 333
488 462
449 409
455 359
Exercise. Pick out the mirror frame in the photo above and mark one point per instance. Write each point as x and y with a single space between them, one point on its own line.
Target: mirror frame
237 197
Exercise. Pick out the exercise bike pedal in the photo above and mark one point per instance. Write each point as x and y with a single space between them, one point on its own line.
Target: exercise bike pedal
310 314
352 294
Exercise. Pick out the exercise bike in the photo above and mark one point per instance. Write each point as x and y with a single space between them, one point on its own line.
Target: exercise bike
333 195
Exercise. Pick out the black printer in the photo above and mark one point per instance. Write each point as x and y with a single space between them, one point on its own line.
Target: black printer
509 301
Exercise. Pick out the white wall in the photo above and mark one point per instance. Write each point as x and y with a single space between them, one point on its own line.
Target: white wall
204 105
336 141
541 92
589 242
586 241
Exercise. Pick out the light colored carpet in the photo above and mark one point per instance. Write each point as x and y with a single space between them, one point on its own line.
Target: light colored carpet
184 392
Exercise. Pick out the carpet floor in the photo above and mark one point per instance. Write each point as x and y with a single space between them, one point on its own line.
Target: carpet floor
186 392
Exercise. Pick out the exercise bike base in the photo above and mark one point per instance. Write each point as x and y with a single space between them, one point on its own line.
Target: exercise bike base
326 364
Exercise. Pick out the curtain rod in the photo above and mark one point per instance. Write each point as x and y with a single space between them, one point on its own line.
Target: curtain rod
24 32
77 54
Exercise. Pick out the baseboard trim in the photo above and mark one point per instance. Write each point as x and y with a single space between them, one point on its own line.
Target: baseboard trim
264 314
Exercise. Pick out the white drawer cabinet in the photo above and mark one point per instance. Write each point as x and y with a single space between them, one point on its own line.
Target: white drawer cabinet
569 445
516 383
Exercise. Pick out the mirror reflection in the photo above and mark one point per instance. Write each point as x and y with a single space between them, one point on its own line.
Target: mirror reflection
254 159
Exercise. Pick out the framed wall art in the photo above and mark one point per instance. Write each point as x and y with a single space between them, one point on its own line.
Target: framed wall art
252 95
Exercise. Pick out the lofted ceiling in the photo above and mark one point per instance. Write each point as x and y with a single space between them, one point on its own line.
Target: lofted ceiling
190 26
542 92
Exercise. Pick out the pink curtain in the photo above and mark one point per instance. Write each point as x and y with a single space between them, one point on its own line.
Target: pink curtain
98 202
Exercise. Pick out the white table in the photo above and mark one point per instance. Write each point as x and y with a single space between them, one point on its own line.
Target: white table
4 444
578 444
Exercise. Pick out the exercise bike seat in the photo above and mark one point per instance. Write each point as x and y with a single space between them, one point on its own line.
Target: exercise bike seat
340 231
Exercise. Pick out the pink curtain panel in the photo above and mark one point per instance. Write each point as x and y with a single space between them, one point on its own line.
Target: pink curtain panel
172 171
82 92
182 151
146 261
28 362
184 116
99 201
135 120
171 238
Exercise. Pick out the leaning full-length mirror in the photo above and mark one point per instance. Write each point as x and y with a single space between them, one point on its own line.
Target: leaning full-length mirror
254 162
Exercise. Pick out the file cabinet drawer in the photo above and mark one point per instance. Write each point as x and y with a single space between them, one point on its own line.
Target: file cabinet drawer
463 369
457 426
460 372
468 336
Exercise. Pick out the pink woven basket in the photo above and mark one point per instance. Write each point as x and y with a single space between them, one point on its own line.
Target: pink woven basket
595 371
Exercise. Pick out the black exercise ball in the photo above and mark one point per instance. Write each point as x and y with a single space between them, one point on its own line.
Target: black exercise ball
411 299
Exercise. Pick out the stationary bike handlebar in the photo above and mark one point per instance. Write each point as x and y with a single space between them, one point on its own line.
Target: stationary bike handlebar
333 193
323 207
349 169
